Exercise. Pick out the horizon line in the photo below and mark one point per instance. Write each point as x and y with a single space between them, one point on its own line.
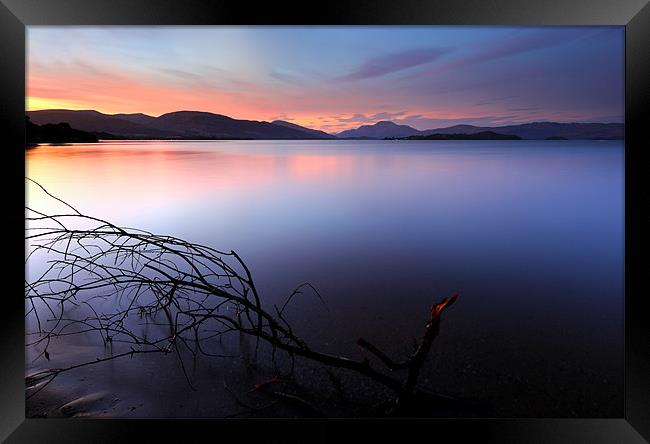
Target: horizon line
333 133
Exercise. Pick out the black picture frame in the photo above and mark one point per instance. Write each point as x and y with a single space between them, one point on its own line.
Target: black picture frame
15 15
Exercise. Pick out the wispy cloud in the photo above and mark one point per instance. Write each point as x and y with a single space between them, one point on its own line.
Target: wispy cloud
282 116
495 100
518 42
370 118
390 63
286 76
184 75
530 108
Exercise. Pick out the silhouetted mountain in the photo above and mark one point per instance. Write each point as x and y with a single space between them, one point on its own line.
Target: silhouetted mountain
203 124
93 121
313 132
142 119
176 125
54 133
544 130
456 129
535 130
483 135
379 130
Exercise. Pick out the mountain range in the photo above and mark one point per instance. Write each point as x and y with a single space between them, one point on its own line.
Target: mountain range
176 125
379 130
205 125
535 130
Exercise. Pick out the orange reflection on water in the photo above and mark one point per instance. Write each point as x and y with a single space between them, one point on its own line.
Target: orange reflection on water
162 179
143 177
310 167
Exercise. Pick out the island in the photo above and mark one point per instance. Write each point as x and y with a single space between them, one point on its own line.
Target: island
483 135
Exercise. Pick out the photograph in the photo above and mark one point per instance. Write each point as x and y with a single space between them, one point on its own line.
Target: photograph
233 221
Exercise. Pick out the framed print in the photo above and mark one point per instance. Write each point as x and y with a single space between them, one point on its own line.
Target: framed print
274 224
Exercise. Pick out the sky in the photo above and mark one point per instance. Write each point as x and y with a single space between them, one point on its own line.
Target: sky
334 78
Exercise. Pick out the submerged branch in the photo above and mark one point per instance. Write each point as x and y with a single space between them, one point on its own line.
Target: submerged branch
192 292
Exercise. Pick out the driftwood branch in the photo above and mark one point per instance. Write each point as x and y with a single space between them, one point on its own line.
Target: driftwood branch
194 292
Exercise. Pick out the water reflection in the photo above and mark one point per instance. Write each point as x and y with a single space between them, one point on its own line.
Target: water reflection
530 233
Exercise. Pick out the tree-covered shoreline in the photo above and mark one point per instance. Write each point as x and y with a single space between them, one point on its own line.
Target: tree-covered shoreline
54 133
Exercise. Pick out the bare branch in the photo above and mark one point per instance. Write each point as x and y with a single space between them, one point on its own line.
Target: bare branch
189 292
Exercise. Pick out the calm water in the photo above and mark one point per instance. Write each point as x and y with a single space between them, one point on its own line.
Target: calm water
529 232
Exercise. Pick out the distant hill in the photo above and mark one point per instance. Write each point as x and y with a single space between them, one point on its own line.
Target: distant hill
379 130
544 130
94 121
313 132
175 125
142 119
55 133
535 130
209 125
483 135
